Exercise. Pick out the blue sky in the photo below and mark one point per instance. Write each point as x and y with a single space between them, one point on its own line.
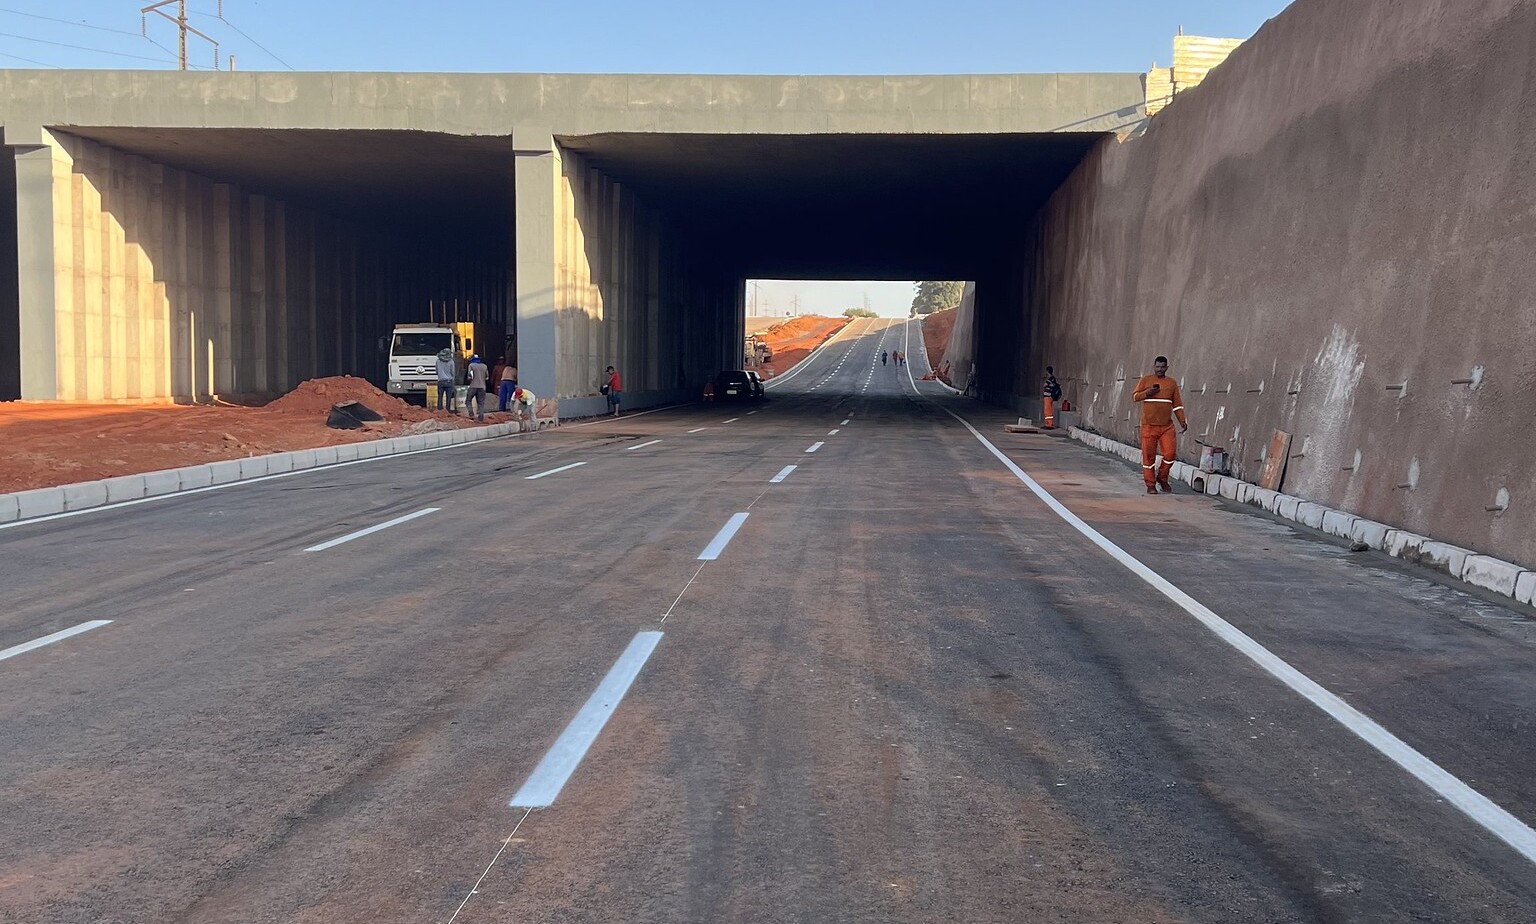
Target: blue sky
662 36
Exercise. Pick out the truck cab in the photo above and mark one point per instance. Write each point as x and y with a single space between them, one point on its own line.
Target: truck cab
413 357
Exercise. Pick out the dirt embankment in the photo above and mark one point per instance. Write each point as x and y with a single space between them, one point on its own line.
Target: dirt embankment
794 339
936 330
42 445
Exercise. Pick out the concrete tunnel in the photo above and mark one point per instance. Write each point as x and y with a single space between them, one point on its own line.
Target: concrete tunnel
161 261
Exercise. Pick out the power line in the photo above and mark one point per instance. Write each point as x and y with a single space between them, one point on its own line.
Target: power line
69 22
4 54
248 39
100 51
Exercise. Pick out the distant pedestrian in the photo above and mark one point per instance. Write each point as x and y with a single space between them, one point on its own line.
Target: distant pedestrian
883 356
476 376
506 385
1161 403
447 378
525 408
613 388
1049 396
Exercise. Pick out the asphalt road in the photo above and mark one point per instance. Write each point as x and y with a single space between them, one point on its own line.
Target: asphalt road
904 689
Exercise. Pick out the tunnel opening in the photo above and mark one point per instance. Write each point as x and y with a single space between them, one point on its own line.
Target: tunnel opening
860 207
244 261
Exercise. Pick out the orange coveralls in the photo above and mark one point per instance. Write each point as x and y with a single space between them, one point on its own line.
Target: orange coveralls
1158 410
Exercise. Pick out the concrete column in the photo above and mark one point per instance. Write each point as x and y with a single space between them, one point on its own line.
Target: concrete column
537 174
37 223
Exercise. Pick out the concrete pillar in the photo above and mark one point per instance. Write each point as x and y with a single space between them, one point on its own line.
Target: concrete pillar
37 223
537 175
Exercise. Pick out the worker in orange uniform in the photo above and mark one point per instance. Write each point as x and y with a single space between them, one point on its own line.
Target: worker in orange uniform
1161 403
1050 396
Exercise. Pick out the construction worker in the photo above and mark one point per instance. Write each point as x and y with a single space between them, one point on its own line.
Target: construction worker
1161 403
1051 395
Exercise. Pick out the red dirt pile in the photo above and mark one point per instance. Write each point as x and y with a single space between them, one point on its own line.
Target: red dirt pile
42 445
794 339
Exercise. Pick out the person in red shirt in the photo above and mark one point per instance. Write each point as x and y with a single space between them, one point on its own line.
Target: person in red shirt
613 388
1161 403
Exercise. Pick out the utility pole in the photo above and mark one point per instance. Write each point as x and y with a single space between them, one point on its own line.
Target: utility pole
182 27
794 305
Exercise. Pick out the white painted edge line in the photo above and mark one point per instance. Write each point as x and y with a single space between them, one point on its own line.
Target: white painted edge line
642 445
58 636
698 430
1498 822
732 420
783 473
832 432
372 529
815 446
923 351
723 537
560 761
554 471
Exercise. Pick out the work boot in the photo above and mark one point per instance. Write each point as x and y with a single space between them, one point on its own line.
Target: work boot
1165 486
1151 489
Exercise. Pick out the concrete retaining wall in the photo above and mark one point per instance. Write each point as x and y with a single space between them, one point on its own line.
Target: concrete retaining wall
1331 236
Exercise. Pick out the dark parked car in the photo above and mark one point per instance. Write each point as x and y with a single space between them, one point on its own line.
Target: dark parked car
737 385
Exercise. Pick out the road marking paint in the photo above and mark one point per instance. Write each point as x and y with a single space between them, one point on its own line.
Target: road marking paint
550 776
845 423
372 529
833 432
783 473
475 889
815 446
556 471
641 446
723 537
750 413
58 636
732 420
1498 822
698 430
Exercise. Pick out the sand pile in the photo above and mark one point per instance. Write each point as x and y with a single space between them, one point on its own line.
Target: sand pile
316 396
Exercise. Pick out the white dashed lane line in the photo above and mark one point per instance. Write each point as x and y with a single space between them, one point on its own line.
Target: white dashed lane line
783 473
723 537
556 471
58 636
642 445
815 446
373 529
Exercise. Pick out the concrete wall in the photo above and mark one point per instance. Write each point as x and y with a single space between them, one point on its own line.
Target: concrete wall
159 284
603 278
1347 204
10 297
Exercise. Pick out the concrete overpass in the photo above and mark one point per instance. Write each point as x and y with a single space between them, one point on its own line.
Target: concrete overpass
186 235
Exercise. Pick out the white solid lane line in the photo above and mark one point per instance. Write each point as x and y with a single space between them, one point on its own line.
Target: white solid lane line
783 473
698 430
372 529
555 471
1478 807
642 446
833 432
550 776
58 636
815 446
723 537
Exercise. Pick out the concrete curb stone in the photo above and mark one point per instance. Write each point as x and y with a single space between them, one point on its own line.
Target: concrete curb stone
124 487
1485 571
195 476
9 509
253 467
39 502
166 481
225 472
83 495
